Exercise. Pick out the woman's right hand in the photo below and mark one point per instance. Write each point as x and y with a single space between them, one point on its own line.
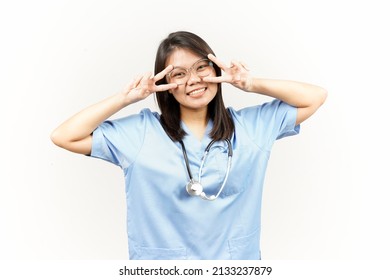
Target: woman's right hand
75 134
144 85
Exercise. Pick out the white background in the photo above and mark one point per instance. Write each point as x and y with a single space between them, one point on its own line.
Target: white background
327 189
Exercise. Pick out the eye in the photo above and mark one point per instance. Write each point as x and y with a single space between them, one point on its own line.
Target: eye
178 74
203 66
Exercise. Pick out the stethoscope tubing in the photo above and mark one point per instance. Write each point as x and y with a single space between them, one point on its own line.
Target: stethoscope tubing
192 182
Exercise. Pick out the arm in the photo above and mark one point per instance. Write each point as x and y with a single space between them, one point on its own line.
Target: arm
75 134
305 97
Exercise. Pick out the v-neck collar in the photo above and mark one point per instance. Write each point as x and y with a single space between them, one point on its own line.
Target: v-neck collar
191 139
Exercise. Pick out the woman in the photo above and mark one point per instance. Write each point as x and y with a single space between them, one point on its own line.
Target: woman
194 174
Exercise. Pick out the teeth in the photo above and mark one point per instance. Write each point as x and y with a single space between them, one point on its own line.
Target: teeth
195 92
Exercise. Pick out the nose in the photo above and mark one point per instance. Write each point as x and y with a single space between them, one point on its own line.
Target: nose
193 78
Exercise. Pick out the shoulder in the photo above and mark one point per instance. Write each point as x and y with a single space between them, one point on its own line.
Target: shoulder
144 116
130 125
263 111
266 122
253 111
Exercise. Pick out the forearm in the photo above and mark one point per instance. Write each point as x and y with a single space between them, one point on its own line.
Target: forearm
82 124
297 94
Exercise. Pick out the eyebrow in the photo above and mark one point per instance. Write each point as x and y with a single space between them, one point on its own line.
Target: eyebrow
191 64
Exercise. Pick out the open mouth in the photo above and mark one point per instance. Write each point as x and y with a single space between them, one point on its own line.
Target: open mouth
197 92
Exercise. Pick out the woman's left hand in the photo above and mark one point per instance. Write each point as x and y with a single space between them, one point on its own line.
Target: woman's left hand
237 74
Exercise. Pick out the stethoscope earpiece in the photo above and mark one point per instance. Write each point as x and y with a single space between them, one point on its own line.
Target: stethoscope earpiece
195 188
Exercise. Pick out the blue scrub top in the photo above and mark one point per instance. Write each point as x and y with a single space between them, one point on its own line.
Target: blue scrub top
163 221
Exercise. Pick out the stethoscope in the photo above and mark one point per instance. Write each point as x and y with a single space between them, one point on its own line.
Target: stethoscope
194 187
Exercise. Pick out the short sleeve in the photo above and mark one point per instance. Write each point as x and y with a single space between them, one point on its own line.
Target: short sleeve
119 141
268 122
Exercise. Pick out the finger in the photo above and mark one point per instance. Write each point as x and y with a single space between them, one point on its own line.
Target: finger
240 65
146 77
163 73
235 63
220 79
217 61
245 66
130 85
136 81
165 87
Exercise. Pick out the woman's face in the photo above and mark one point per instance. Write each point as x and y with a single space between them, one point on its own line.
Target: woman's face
194 94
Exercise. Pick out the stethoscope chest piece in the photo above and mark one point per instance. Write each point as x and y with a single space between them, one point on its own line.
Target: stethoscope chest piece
194 188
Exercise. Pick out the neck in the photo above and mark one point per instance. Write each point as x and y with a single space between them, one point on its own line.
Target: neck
196 121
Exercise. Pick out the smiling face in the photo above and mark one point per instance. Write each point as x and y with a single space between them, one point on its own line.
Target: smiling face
194 95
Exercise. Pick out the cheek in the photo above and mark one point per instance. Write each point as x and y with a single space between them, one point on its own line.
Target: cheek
176 91
212 88
178 94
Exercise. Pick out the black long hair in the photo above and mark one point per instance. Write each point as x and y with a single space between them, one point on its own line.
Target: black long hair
223 125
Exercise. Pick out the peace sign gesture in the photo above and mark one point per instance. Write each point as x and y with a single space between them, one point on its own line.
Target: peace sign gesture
237 74
144 85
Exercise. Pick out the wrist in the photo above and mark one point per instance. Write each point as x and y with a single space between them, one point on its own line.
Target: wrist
121 100
249 84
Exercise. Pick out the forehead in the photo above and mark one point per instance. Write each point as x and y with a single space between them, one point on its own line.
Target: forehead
182 58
